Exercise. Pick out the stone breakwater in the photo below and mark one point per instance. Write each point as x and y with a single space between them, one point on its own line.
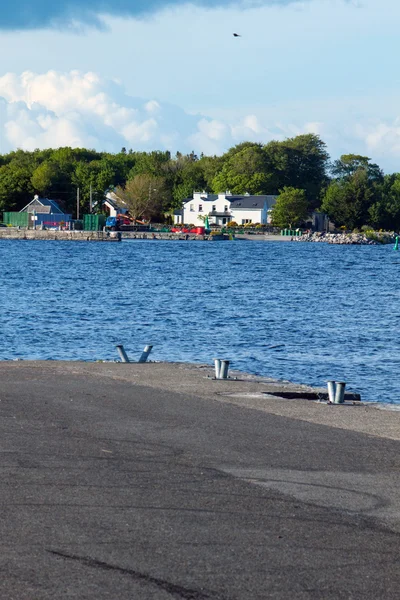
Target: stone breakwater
12 233
347 238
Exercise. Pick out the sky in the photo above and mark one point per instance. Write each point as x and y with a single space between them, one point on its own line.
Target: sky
156 75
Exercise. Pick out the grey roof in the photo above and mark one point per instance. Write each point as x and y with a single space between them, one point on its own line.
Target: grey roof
43 205
211 198
238 202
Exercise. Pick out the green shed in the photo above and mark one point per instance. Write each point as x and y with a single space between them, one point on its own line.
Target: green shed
16 219
93 222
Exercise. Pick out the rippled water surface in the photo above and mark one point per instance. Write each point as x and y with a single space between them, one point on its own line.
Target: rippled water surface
335 308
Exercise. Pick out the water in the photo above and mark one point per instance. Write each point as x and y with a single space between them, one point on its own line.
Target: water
336 309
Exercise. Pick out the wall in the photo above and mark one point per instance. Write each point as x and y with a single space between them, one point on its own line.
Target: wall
254 215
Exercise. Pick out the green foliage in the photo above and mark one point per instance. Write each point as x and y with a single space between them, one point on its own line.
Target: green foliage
244 171
43 177
358 194
291 208
184 174
385 212
348 164
300 162
144 195
348 200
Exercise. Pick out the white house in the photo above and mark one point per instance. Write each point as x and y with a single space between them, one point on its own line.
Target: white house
223 208
114 204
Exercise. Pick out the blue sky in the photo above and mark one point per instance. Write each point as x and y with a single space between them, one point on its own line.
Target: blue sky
152 74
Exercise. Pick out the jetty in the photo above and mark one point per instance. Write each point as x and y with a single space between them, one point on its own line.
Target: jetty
156 480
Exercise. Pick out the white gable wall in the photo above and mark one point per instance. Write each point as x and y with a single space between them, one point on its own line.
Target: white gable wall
249 215
202 205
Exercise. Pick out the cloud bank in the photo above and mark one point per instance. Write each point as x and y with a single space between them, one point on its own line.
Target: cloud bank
82 109
28 14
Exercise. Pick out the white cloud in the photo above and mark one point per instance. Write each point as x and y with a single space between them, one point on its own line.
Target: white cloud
82 109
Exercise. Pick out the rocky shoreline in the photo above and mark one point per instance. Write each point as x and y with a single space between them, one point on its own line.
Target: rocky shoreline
363 239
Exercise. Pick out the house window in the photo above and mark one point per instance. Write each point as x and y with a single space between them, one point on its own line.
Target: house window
200 208
226 208
224 221
244 221
192 208
214 207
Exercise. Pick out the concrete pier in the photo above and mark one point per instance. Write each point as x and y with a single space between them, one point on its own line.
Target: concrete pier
154 481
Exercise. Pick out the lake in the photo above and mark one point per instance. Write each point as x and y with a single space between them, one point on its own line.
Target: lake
331 311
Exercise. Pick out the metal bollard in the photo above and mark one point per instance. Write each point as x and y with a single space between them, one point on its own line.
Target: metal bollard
223 373
339 394
331 391
122 353
217 363
145 354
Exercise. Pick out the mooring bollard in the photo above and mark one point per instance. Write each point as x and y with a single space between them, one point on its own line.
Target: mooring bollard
123 355
217 363
145 354
223 372
331 391
339 394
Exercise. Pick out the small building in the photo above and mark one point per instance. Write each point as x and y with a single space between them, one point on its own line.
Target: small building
225 207
114 204
45 212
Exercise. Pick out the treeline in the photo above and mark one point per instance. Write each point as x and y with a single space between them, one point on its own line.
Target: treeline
352 190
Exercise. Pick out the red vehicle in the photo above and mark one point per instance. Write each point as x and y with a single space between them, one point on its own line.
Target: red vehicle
196 230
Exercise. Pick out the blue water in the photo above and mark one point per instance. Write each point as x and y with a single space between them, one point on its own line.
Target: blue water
336 309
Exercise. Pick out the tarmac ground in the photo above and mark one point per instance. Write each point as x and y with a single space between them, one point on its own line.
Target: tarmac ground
154 481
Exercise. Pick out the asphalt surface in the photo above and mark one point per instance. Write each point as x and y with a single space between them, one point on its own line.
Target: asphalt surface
114 490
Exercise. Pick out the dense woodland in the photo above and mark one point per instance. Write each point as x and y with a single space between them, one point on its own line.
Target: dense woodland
353 191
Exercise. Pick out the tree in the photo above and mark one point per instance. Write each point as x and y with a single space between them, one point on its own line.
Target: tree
244 171
291 208
152 163
384 213
15 185
144 195
187 175
44 177
348 165
300 162
347 201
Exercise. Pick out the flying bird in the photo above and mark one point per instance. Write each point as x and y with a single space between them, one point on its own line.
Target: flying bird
237 35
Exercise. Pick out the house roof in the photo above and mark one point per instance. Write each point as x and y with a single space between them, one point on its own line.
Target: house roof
210 198
248 202
42 205
114 201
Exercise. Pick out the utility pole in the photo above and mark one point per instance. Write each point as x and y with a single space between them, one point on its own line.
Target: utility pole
77 204
90 199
